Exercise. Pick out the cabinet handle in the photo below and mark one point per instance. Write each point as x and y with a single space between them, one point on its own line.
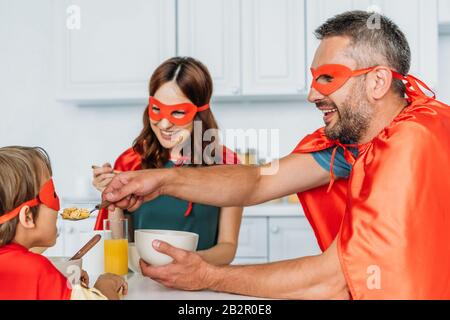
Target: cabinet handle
235 90
275 229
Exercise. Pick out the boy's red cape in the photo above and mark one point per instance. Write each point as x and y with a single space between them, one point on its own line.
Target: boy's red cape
391 217
28 276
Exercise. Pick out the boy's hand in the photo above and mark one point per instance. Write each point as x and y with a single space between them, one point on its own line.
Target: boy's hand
84 278
111 286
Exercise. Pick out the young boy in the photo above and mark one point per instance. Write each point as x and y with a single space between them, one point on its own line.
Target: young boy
28 211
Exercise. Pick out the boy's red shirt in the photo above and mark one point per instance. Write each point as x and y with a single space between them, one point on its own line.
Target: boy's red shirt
28 276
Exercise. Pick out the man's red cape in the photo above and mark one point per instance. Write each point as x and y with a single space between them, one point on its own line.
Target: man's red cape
391 217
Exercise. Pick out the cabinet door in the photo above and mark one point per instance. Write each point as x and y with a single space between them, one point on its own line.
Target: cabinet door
107 50
444 11
291 238
209 30
416 18
273 52
72 231
252 238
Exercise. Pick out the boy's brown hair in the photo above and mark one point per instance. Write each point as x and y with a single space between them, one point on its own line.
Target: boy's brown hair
22 170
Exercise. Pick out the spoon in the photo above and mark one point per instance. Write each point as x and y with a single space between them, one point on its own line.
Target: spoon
88 246
102 205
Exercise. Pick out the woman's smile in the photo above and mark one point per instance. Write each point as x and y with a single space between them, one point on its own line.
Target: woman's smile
169 135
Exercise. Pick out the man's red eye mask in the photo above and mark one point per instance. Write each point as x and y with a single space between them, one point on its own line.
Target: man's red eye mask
339 75
167 111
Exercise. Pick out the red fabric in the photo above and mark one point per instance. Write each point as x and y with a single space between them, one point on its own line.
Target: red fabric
28 276
391 215
131 161
47 196
165 111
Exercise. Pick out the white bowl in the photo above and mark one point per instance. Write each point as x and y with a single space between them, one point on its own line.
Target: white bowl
70 269
179 239
133 258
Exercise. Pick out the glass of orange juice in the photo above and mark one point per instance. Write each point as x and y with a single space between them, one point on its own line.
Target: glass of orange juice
116 248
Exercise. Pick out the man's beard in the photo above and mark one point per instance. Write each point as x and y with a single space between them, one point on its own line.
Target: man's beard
354 117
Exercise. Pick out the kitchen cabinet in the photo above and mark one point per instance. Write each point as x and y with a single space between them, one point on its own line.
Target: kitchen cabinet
291 238
253 238
251 47
69 239
444 11
271 238
107 50
273 42
444 15
209 30
420 27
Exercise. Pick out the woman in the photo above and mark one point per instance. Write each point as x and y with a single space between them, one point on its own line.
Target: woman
180 93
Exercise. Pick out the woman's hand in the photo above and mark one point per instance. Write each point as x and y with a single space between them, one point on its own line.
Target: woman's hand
102 176
112 286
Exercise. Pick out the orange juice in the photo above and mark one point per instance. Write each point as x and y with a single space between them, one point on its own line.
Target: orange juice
116 256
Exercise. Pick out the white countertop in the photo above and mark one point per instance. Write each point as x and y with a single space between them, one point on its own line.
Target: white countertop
143 288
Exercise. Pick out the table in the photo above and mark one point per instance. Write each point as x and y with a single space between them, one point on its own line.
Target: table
144 288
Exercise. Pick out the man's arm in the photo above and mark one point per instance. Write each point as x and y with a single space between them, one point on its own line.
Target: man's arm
222 186
315 277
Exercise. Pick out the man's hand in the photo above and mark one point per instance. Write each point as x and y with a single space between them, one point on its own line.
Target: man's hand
128 190
188 271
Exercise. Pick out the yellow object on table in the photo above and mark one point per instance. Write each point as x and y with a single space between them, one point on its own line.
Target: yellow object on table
116 256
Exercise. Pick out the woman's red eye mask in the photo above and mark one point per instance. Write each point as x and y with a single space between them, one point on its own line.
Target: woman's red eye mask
47 196
337 75
178 114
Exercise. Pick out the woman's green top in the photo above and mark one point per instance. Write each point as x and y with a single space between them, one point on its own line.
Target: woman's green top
167 213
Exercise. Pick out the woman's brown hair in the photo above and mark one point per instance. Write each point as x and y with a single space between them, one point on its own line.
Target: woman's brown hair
22 170
195 82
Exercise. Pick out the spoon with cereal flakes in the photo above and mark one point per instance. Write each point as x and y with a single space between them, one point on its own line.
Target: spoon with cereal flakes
75 214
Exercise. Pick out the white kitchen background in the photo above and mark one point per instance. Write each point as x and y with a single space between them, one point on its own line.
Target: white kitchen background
80 92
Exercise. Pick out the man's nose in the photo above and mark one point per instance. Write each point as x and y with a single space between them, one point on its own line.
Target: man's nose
314 95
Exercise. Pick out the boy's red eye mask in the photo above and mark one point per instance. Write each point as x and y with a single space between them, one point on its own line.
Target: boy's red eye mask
178 114
47 196
330 77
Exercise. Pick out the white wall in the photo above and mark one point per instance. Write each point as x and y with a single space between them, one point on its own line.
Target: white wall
77 137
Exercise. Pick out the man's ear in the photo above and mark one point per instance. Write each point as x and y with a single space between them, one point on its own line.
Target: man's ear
380 81
26 218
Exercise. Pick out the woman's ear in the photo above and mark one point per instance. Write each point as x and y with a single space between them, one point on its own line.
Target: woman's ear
26 218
